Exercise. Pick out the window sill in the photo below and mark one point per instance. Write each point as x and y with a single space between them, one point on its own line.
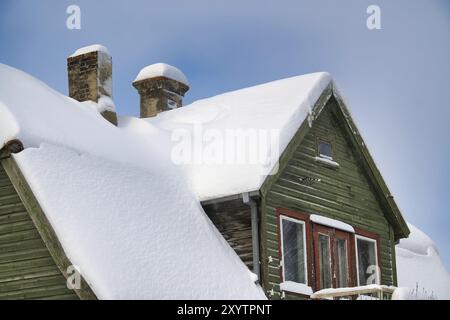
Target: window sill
332 223
327 162
297 288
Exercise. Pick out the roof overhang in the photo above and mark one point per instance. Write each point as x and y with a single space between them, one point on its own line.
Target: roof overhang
392 212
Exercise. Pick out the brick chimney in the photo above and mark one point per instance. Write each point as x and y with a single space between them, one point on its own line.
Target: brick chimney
161 87
90 78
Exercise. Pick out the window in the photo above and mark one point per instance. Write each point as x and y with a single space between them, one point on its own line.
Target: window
325 149
342 263
293 248
332 257
366 261
324 261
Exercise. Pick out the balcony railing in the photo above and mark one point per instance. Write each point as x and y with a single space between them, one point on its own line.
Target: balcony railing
369 292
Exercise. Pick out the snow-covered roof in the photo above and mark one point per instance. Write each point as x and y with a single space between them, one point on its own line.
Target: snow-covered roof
420 267
130 223
162 70
273 111
134 225
91 48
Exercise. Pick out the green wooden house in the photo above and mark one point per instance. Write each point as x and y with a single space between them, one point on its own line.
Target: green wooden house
326 219
318 215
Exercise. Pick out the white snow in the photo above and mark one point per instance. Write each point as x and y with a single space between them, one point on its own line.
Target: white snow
105 103
162 70
420 267
273 112
121 209
295 287
91 48
331 223
351 290
132 222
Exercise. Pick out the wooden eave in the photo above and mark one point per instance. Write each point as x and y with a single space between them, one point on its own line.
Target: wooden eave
38 216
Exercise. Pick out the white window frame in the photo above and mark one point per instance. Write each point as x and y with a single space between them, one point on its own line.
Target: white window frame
305 256
324 156
376 257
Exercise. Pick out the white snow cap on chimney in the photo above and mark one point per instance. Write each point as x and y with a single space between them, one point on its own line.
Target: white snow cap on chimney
91 48
162 70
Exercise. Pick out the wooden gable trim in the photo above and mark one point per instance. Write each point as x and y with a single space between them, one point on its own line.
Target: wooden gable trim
42 224
387 200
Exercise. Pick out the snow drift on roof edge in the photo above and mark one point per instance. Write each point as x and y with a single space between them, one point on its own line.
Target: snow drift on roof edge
131 225
419 264
161 70
133 234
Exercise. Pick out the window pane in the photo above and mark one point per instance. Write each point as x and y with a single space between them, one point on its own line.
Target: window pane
325 149
366 262
293 251
325 261
342 263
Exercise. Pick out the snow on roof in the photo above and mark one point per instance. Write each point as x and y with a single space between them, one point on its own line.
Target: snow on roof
91 48
272 111
162 70
420 266
127 212
130 223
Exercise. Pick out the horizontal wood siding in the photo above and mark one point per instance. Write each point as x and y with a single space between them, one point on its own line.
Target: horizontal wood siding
345 194
233 220
27 271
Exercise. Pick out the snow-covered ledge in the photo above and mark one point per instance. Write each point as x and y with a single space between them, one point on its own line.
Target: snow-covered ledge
91 48
294 287
332 223
350 291
327 162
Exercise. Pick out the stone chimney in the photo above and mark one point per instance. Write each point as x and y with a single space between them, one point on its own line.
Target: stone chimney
161 87
90 78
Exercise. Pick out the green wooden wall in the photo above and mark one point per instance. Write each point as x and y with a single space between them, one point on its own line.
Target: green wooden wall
27 271
233 220
345 194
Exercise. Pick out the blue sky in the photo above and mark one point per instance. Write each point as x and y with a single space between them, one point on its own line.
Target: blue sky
395 79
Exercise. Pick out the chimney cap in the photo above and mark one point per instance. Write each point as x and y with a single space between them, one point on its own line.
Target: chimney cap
91 48
162 70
